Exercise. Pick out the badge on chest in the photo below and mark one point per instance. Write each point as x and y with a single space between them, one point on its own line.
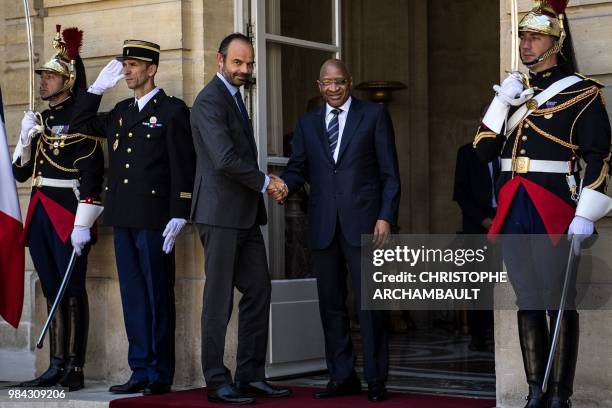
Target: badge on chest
152 123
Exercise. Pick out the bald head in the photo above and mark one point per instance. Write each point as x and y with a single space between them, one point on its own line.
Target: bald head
334 83
335 64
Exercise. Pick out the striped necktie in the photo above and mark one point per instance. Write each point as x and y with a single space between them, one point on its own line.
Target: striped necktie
333 130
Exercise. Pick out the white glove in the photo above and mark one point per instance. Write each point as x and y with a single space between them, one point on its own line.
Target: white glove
580 229
509 89
80 237
108 78
27 124
174 227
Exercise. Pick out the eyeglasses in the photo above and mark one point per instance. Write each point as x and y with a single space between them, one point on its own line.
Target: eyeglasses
338 82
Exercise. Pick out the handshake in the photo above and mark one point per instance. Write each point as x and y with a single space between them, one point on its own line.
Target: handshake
277 189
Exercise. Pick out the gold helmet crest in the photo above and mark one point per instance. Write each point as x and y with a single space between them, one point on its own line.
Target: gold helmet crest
67 46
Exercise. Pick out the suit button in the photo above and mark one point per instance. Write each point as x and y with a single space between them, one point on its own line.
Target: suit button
42 162
524 138
148 136
116 134
335 171
152 191
51 117
127 165
39 173
130 134
526 126
129 150
125 181
105 188
523 151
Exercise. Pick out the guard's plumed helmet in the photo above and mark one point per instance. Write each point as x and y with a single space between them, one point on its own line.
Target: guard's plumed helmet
66 60
548 17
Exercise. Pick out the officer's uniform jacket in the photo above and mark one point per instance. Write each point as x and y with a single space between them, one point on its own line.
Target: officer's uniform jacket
572 125
151 158
61 154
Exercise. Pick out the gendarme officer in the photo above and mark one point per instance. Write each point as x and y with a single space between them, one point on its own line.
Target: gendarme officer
542 133
148 197
66 170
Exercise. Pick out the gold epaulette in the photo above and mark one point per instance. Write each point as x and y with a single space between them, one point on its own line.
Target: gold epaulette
596 82
483 134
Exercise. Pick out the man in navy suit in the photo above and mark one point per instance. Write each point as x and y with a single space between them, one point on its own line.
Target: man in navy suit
346 151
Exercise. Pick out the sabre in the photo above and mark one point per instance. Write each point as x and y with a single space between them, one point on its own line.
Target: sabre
58 299
514 65
555 339
26 8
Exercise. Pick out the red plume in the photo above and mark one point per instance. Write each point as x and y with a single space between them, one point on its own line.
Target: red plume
73 38
558 6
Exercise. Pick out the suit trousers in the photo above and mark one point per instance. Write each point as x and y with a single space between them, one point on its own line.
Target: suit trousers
146 280
330 268
234 258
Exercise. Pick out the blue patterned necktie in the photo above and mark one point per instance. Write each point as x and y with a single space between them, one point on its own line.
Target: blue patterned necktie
333 130
242 108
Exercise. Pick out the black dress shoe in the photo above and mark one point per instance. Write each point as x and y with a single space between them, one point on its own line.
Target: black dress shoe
130 387
352 386
228 394
156 388
377 392
262 389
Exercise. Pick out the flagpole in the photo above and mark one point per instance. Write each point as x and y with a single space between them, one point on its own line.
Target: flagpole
26 8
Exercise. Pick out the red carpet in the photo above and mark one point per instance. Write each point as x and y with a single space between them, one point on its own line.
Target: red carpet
302 398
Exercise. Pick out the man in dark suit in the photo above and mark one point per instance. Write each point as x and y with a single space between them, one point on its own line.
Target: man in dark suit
150 175
229 208
474 190
346 151
475 193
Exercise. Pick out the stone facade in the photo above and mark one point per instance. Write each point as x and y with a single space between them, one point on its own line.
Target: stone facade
449 55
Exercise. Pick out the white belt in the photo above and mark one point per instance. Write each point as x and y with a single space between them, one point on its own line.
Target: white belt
526 165
40 181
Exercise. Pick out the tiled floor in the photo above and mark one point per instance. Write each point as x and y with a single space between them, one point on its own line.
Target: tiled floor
431 362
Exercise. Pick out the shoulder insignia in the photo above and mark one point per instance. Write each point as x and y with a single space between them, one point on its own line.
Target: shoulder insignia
596 82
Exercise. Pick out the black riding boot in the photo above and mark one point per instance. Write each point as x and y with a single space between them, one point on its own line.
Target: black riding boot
561 383
57 353
533 334
77 327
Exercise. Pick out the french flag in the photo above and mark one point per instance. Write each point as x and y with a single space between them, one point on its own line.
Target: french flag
12 252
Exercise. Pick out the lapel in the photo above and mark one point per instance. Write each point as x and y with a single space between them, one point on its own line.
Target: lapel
135 118
355 114
229 99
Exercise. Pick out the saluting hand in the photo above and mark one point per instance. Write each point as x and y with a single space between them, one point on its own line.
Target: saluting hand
108 77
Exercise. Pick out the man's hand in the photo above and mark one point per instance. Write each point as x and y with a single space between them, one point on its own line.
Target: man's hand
80 237
277 189
580 229
108 77
174 227
486 223
382 230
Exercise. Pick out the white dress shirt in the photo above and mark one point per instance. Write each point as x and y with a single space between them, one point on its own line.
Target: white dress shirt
146 98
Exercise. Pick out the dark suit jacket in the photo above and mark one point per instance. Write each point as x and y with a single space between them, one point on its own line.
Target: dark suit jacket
473 190
362 187
228 183
150 158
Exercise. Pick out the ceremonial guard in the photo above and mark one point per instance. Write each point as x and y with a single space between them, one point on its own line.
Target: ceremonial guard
66 170
151 170
542 125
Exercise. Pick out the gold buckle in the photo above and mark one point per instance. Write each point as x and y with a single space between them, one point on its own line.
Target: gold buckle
37 181
520 165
